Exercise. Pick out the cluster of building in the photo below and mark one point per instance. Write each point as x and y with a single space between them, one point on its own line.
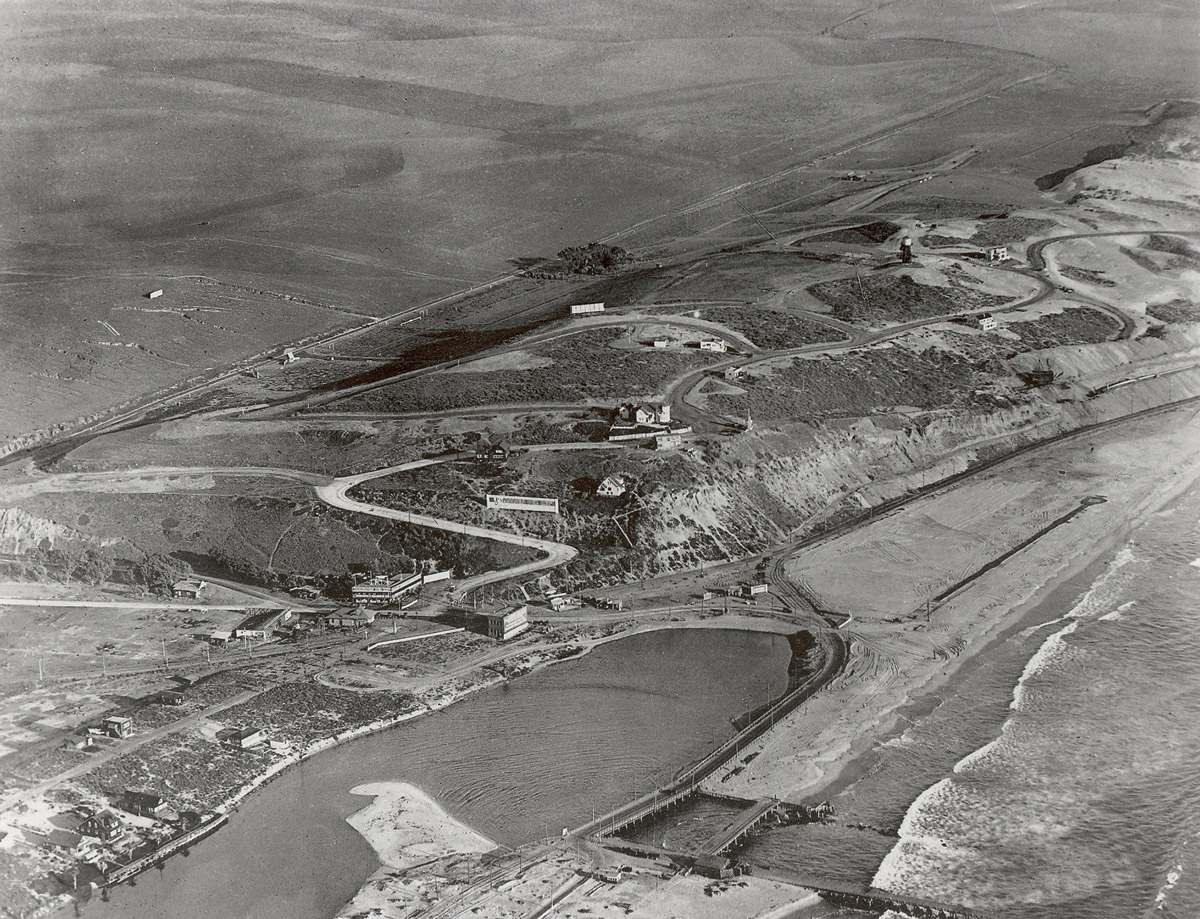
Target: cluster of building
647 421
746 590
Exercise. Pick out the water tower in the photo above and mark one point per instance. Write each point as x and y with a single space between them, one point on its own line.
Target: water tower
906 249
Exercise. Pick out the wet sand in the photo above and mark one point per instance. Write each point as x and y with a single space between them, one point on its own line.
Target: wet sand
898 669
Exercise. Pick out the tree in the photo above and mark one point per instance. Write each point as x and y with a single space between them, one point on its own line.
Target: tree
158 572
95 567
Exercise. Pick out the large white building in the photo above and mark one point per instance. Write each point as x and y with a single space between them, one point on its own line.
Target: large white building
383 589
507 623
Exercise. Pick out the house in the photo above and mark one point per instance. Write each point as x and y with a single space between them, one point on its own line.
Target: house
154 294
563 602
998 254
189 588
507 623
652 414
753 590
350 618
170 697
289 357
613 486
118 726
661 343
105 826
734 373
488 449
245 738
383 589
148 804
984 321
305 592
262 623
220 637
713 866
720 345
667 441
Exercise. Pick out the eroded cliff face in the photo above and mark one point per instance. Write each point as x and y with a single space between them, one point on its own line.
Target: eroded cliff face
22 532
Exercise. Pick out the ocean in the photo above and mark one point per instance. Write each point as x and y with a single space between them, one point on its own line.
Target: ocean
1086 802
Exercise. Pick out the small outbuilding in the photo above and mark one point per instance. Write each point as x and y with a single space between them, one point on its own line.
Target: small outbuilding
189 588
118 726
667 441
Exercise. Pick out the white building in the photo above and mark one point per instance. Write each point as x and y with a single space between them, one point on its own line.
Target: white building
998 254
382 589
719 345
507 623
652 414
984 321
585 309
613 486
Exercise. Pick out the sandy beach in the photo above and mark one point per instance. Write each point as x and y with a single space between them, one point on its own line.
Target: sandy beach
405 826
884 574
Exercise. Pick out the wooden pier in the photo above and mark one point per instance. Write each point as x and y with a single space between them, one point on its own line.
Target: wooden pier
745 822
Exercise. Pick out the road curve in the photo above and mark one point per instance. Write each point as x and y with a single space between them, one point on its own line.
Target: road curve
556 553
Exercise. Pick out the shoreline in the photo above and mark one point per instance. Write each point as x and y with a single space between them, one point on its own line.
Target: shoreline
406 826
825 760
847 764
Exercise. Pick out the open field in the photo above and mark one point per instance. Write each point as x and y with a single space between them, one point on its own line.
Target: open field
317 170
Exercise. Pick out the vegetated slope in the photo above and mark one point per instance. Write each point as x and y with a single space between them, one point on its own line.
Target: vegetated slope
875 232
897 298
1175 311
1076 326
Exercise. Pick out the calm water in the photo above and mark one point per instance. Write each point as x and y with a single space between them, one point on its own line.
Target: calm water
1061 778
514 762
